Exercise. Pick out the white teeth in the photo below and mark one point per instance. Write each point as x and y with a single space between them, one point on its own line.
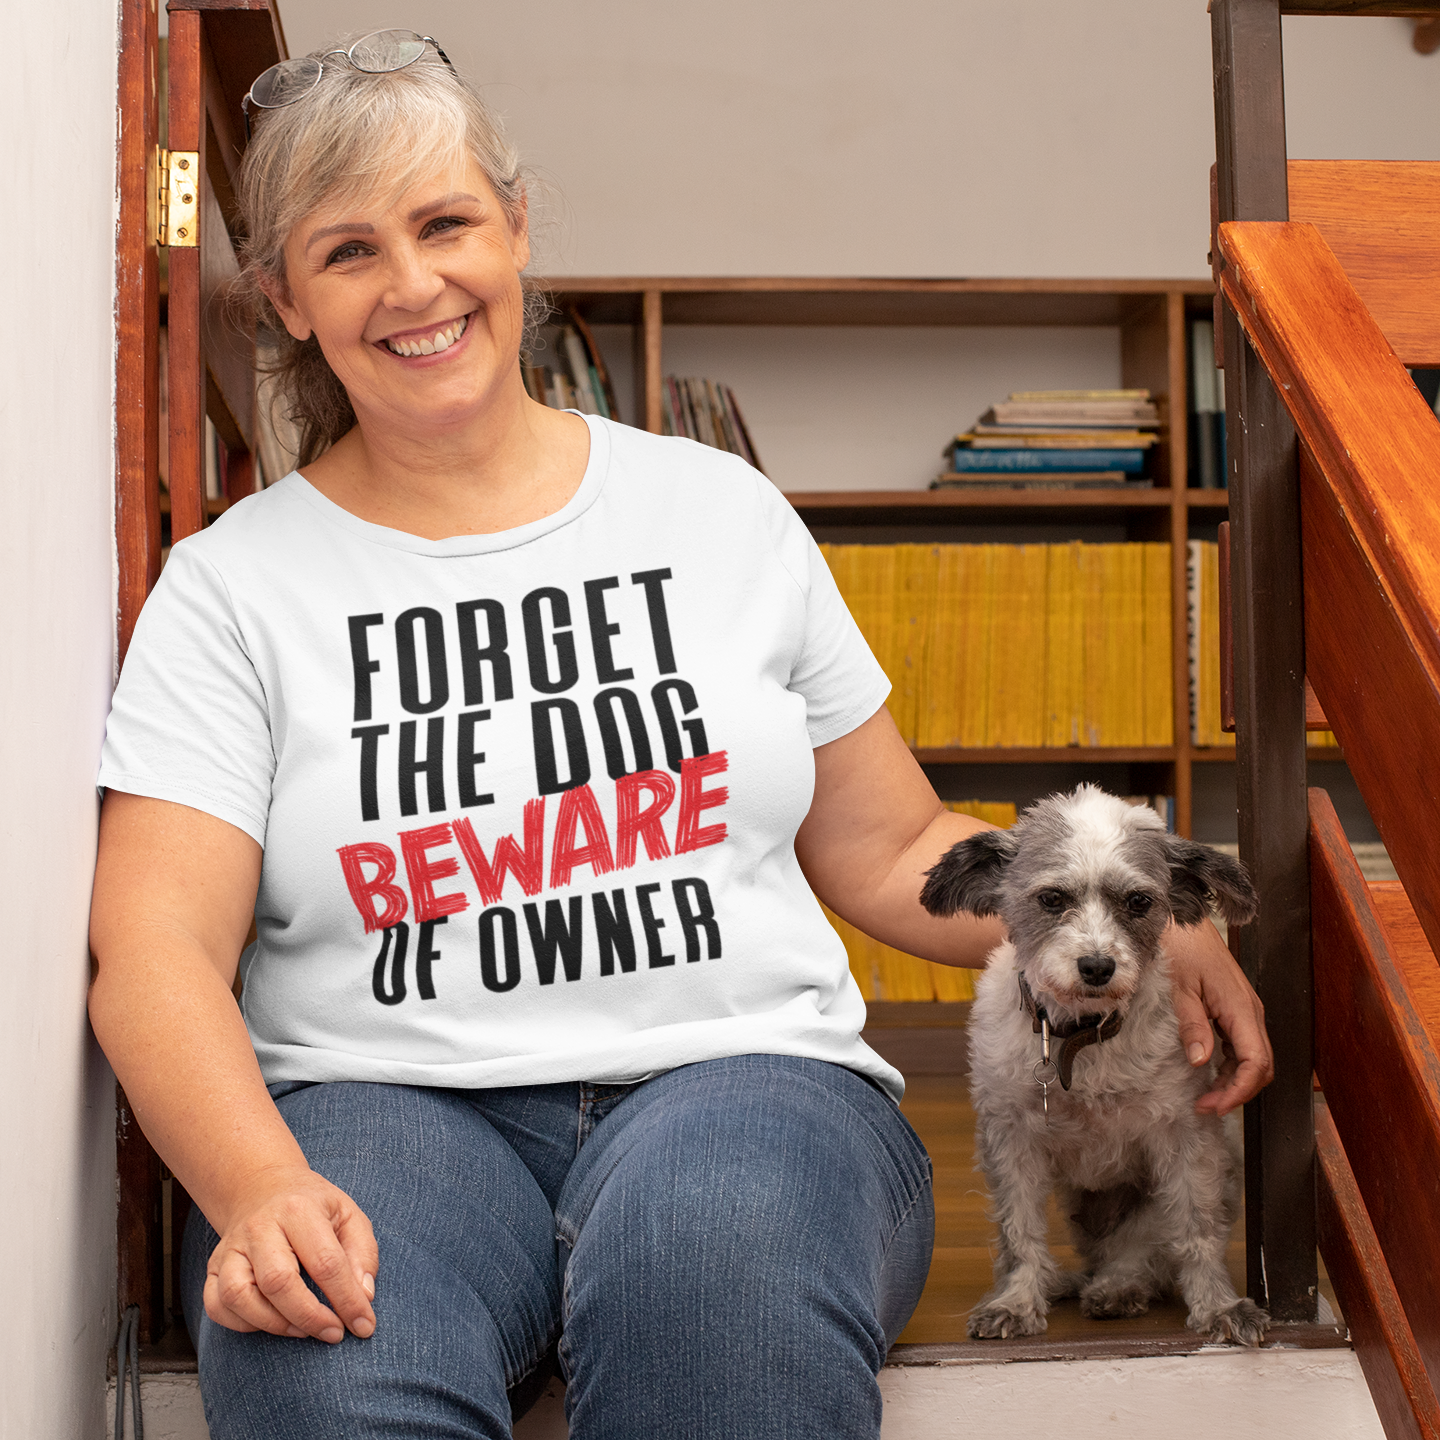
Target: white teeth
441 340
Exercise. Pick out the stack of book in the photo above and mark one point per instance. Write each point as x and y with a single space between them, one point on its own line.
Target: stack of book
1018 645
1056 439
1202 598
704 411
578 380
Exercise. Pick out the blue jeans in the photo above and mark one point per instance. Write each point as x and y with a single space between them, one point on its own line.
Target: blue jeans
726 1250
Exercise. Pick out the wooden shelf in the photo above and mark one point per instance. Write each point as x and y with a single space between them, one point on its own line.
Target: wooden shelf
1223 754
1048 755
1151 318
788 300
872 507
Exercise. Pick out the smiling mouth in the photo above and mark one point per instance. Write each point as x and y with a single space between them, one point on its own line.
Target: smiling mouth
433 344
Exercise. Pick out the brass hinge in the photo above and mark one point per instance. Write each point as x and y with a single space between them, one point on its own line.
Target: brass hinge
179 207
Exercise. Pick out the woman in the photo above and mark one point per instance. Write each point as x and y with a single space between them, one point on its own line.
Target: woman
520 734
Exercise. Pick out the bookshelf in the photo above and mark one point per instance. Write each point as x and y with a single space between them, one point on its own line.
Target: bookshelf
1151 317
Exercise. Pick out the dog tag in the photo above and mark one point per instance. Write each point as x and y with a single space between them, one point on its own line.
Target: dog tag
1046 1075
1045 1072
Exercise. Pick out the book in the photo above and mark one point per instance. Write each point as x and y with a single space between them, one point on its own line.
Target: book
603 390
1023 480
1113 413
1157 694
1207 410
1071 395
1028 646
1202 577
703 410
964 460
1033 439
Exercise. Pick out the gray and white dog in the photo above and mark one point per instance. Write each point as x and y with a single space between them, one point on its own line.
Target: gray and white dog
1079 1081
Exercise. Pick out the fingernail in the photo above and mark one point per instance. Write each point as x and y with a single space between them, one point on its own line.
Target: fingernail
1197 1053
363 1328
332 1336
367 1283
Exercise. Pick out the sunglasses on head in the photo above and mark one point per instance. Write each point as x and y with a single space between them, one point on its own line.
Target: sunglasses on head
378 53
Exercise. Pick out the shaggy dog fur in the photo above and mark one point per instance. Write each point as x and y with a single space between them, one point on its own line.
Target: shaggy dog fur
1084 883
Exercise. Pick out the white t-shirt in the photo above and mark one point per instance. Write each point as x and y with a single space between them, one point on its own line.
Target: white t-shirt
528 801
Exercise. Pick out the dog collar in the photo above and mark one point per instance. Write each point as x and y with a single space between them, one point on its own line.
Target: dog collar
1073 1035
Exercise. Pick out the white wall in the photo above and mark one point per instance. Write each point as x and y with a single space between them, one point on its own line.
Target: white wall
922 137
57 1111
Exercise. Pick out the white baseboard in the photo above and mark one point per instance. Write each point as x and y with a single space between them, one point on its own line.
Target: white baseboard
1242 1395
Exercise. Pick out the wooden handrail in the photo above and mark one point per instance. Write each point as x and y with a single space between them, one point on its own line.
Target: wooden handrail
1370 512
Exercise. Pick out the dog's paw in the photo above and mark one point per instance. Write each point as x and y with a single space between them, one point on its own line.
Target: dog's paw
1000 1322
1112 1301
1243 1323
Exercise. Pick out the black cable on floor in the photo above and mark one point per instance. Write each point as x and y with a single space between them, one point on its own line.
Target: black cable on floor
127 1359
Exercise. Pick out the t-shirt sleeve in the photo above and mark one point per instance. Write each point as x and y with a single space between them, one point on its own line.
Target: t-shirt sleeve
190 721
834 669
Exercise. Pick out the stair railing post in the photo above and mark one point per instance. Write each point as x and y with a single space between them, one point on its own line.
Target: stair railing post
1269 637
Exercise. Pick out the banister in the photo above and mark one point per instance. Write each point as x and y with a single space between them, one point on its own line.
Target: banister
1370 515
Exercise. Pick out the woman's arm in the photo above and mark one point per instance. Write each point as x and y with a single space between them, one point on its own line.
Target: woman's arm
875 827
174 893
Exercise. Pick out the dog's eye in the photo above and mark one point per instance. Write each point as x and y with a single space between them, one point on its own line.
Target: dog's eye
1051 900
1139 903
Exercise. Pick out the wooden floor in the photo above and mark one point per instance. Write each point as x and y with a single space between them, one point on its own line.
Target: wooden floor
938 1106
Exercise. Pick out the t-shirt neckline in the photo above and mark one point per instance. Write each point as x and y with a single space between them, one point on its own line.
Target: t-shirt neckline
592 482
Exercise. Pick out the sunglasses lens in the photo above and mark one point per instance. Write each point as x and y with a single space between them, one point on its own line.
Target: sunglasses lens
285 83
387 50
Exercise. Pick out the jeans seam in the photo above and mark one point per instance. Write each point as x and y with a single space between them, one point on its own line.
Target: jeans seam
928 1183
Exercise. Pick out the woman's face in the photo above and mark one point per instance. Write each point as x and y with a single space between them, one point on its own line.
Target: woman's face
417 306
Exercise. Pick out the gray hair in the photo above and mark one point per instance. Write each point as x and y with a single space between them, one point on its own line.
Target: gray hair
353 136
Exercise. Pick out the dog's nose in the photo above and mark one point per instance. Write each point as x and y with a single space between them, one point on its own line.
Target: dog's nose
1096 969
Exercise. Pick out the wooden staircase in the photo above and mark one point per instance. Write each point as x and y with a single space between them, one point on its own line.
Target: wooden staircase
1330 277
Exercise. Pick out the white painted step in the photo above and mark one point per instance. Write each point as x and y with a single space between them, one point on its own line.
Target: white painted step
1242 1395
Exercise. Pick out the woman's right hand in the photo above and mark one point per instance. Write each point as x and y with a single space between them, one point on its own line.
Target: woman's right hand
282 1221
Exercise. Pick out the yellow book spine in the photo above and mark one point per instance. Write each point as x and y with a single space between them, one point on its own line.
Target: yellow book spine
918 574
994 812
1007 616
973 669
952 982
1093 729
1064 645
903 977
1210 647
932 725
1030 661
1128 646
1157 683
1192 631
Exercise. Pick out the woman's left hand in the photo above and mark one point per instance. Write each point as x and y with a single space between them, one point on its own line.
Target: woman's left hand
1208 985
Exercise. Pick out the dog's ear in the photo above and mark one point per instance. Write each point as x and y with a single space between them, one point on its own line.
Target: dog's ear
1200 876
967 876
